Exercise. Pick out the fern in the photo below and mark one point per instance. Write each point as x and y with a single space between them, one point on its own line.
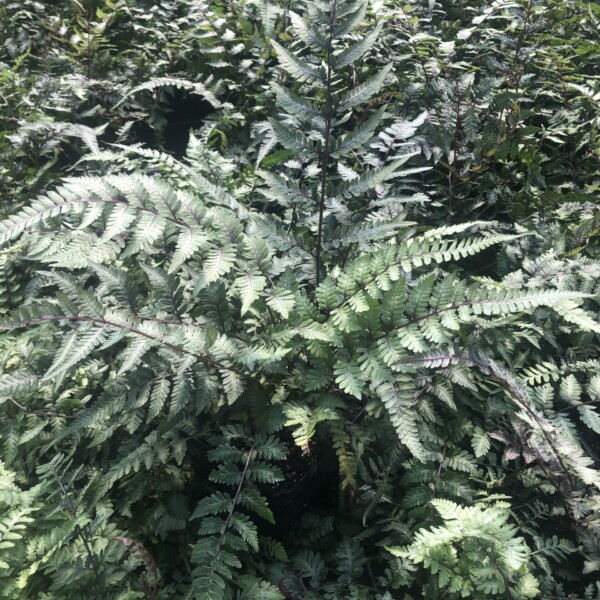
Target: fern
477 539
224 537
161 82
352 317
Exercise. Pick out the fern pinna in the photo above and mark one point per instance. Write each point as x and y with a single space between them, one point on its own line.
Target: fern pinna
172 344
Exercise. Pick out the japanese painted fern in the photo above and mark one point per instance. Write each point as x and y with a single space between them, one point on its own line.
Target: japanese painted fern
167 345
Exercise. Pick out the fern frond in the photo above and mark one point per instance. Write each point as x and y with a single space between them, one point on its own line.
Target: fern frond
218 262
348 377
299 69
370 179
353 53
306 420
292 139
295 105
359 136
155 83
76 348
421 251
312 38
363 92
398 399
249 287
354 14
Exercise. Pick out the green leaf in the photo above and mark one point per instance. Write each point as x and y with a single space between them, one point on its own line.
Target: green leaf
218 262
291 139
348 377
188 243
361 93
254 501
249 286
480 442
155 83
295 105
214 504
359 136
306 33
355 14
590 417
281 301
76 348
306 420
134 353
246 528
326 294
356 51
398 400
570 390
158 397
370 179
299 69
233 384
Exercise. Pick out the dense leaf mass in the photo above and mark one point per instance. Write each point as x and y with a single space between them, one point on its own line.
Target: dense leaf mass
299 300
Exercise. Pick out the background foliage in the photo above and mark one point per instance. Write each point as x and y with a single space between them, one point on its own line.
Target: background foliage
299 300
